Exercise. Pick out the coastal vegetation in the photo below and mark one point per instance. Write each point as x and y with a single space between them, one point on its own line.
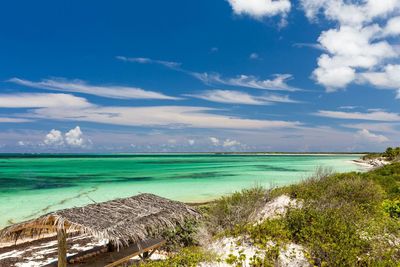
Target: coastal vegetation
390 154
348 219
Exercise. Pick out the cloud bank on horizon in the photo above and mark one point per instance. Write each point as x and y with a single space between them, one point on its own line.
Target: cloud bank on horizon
258 75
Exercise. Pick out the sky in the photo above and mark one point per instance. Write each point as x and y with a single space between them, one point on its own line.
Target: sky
199 76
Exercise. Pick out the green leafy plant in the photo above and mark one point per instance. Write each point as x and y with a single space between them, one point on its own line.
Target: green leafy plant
186 257
392 207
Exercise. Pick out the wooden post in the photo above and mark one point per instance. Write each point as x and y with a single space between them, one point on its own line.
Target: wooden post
62 248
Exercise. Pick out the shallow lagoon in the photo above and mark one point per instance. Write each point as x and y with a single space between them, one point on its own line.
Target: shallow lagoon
33 185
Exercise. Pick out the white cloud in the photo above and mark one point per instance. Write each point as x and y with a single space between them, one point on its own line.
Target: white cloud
145 60
38 100
78 86
383 127
54 138
348 107
260 8
388 78
254 56
21 143
191 142
13 120
278 83
393 27
371 137
353 13
372 116
224 143
349 50
161 116
68 107
230 143
74 137
228 96
214 141
358 44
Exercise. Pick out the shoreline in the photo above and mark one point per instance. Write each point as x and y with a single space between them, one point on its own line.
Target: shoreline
370 164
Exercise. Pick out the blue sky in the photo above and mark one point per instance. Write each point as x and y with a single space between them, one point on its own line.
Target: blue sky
145 76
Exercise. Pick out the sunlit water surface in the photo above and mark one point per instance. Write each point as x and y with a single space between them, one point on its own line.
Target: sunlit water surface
34 185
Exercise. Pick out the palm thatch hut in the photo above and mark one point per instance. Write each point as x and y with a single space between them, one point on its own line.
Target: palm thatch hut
121 221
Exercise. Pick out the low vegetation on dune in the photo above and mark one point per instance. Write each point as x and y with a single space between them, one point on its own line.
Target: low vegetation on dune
349 219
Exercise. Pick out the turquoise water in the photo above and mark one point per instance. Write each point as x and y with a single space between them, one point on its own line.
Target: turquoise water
34 185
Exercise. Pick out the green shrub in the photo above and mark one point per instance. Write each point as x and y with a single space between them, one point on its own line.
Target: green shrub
230 211
371 156
269 230
351 189
392 207
311 188
331 234
187 257
388 177
181 236
392 153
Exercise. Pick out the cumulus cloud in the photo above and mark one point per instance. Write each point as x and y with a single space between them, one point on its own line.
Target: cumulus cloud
366 135
214 141
359 44
191 142
388 78
230 143
74 138
392 27
259 9
54 138
79 86
372 116
278 83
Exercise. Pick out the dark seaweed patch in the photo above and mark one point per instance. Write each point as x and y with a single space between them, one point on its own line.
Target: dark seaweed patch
201 175
50 185
274 168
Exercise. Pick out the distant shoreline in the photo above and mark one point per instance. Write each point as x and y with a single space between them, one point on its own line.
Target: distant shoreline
16 155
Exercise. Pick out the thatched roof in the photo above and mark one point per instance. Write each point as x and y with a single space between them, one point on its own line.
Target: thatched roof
120 221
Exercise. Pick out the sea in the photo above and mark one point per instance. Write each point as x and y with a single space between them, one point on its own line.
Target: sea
32 185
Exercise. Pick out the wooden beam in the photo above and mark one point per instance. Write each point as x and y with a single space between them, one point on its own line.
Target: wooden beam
137 253
62 248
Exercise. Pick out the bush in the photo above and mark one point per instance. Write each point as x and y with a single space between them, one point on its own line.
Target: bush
330 234
236 209
392 153
181 236
187 257
388 177
392 207
341 222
